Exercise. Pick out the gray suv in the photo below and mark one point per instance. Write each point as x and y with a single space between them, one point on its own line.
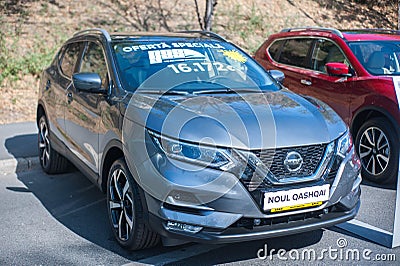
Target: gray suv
192 141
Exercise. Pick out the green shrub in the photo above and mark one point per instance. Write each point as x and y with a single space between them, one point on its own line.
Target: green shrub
31 63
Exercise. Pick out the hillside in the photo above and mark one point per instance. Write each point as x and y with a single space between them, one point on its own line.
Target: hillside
32 30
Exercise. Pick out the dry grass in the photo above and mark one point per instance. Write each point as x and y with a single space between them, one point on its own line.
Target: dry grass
32 30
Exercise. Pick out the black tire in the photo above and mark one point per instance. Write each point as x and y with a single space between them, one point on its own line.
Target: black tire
377 144
126 210
50 160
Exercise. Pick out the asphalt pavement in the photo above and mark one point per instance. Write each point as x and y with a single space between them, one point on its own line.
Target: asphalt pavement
62 220
19 140
18 151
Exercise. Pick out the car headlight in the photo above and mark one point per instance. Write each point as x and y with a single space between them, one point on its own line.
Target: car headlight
217 158
345 144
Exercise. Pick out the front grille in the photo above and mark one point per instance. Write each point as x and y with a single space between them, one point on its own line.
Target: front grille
274 160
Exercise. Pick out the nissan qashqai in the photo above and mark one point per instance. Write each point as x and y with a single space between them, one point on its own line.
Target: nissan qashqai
192 141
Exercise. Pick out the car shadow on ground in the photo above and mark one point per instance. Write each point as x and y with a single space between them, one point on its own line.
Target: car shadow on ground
22 145
80 206
383 186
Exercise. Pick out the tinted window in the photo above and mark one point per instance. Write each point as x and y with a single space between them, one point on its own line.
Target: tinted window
326 52
274 49
93 61
195 64
69 58
378 57
295 52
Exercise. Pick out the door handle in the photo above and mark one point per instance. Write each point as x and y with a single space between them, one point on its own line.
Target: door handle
69 97
306 82
48 85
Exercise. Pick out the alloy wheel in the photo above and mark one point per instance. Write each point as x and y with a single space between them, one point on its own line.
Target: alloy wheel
44 144
374 150
121 204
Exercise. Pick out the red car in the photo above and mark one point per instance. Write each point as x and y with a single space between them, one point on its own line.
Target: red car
357 72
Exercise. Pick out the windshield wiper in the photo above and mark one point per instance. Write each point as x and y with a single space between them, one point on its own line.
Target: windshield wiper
196 92
221 91
164 92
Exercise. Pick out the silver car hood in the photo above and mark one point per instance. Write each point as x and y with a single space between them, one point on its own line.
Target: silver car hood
248 120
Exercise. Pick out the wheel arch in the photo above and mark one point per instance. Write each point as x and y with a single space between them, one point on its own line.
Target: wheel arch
367 113
40 110
113 151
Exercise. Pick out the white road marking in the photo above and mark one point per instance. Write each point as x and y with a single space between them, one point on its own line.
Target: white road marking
79 209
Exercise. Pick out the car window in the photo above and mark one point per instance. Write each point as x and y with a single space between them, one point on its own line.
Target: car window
326 51
94 61
295 52
69 58
274 49
378 57
195 64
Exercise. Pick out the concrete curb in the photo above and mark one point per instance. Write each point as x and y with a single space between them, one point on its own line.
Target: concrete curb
16 165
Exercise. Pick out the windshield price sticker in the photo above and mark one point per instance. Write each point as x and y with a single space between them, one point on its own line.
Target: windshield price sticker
200 67
163 45
170 55
234 55
296 198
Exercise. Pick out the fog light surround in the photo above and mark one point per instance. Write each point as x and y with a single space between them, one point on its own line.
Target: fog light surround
193 229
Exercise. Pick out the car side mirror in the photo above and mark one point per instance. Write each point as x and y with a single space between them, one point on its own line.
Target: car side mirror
87 82
277 75
337 69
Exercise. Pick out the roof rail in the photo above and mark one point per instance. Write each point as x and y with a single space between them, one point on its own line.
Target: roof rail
205 32
334 31
98 30
374 30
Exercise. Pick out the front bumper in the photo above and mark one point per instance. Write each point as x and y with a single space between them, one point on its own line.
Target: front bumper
240 234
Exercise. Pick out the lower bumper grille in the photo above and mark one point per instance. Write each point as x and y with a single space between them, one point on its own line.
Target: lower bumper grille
250 223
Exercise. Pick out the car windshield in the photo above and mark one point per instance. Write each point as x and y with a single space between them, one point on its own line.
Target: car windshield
187 65
378 57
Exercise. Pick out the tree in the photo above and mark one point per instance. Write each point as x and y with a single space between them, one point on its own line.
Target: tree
206 22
